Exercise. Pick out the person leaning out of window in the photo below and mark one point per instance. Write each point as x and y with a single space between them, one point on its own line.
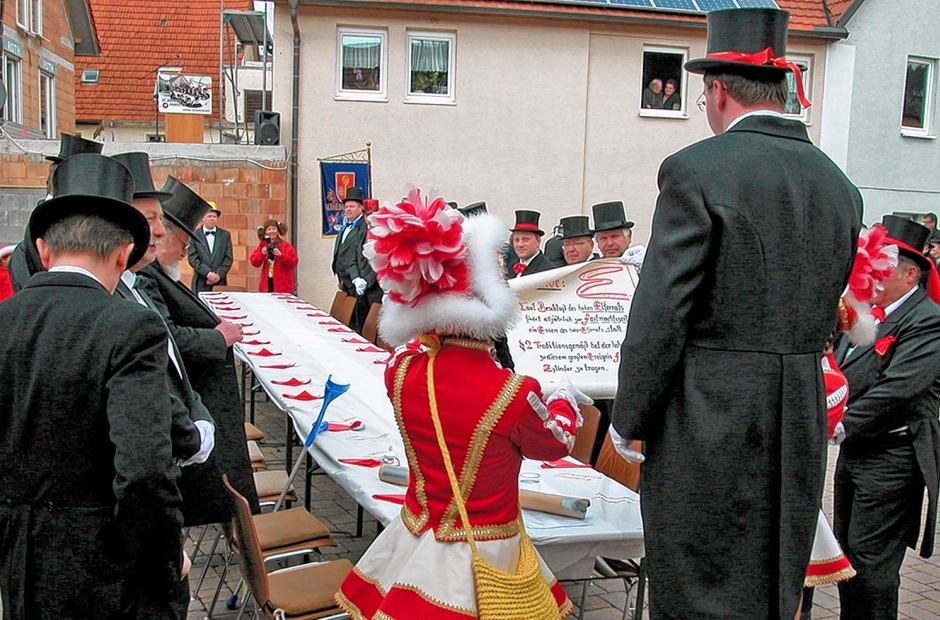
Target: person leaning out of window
276 257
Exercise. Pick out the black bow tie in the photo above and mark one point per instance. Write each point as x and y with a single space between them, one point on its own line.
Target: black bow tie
210 232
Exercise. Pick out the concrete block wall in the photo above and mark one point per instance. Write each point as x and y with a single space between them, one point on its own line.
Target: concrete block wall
247 183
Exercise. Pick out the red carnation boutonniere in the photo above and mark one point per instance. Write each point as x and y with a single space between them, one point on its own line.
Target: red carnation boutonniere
882 345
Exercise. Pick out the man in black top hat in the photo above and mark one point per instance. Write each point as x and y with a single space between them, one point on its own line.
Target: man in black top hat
753 238
891 449
577 240
212 259
613 234
205 345
351 267
25 259
526 241
89 505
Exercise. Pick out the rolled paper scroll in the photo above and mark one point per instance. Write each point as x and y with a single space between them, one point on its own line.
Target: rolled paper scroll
574 507
394 474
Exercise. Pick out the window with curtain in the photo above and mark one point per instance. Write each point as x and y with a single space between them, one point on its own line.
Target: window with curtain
793 107
917 108
431 67
362 61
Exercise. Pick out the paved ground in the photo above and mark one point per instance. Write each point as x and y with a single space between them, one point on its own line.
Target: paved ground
920 583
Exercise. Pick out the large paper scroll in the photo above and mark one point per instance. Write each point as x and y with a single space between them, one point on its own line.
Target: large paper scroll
572 323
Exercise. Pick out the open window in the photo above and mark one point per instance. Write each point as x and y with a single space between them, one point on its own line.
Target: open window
663 89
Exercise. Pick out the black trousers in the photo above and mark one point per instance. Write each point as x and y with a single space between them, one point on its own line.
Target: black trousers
878 497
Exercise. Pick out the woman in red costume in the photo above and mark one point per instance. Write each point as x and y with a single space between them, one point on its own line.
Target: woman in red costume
276 257
444 288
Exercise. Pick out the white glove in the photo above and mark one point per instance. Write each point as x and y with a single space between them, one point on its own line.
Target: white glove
566 391
839 436
360 285
622 446
206 443
634 256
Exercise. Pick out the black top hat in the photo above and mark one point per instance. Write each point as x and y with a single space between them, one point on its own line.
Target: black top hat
528 221
910 237
92 184
139 165
354 193
610 216
184 207
70 144
473 209
744 31
575 226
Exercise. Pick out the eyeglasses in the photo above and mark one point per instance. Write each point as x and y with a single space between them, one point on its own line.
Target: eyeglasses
700 102
571 244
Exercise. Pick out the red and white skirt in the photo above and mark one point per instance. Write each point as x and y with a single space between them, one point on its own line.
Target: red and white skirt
827 564
403 576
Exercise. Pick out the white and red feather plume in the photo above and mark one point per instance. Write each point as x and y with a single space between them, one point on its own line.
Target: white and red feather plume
874 263
416 247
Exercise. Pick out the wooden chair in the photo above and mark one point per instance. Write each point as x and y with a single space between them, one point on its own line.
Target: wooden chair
336 308
633 572
370 329
587 434
269 485
615 466
256 456
253 433
301 592
346 312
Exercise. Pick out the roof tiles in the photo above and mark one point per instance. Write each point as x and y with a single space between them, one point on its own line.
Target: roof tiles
136 39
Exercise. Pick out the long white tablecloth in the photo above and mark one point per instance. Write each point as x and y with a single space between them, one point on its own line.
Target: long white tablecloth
314 345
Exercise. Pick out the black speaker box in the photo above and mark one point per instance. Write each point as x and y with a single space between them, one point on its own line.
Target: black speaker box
267 127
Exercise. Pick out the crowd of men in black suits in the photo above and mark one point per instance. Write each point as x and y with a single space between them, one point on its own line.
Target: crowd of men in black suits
119 412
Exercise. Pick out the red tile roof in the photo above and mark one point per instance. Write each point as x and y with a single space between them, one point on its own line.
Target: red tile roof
138 37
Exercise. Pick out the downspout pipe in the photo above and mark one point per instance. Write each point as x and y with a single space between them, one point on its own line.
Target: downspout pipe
293 168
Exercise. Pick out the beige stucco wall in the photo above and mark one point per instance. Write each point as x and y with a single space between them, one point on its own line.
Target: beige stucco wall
546 118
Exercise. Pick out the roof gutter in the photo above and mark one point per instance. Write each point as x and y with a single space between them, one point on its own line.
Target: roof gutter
294 120
542 11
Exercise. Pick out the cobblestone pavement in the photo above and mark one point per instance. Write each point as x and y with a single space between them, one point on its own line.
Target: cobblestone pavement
920 579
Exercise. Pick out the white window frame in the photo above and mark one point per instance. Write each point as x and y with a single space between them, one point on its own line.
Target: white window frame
13 108
381 94
47 85
683 112
927 131
35 21
450 98
804 61
23 10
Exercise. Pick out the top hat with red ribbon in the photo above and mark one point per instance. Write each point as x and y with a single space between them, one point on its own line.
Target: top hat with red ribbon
910 238
749 42
528 221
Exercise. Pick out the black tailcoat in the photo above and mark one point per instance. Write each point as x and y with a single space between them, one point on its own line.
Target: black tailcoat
186 404
210 365
901 387
348 264
753 237
219 260
89 505
538 264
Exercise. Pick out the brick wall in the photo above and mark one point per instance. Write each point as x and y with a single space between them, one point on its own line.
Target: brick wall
247 183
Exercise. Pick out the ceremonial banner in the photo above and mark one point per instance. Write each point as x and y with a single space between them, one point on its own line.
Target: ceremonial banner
572 322
336 177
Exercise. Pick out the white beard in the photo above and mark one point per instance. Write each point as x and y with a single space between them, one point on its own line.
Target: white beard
173 270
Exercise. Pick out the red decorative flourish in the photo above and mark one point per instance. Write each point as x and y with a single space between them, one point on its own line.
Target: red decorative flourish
416 248
872 263
883 345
